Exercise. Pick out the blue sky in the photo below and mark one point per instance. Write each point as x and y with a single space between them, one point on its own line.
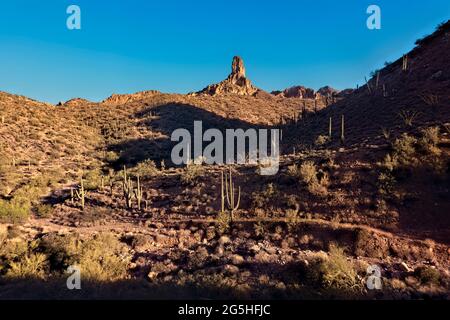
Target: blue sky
182 46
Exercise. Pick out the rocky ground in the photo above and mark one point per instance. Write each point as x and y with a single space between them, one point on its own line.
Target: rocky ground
372 192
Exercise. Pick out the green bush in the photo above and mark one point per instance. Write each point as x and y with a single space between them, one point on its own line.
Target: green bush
321 140
14 211
146 169
44 210
429 141
428 275
103 258
266 197
317 182
308 173
32 265
191 173
93 180
335 271
404 149
386 183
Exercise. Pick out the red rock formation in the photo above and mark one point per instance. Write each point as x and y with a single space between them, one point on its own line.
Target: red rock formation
296 92
236 82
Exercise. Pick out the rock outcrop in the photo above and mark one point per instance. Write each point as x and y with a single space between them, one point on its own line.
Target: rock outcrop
327 91
119 99
296 92
306 93
74 102
236 82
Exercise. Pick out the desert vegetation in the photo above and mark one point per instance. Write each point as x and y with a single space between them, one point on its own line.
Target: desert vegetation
363 180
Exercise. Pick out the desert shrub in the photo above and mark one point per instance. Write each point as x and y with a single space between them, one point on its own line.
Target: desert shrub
265 197
137 241
428 275
191 173
403 157
408 117
223 222
111 156
386 133
429 141
334 272
293 171
14 211
146 169
103 258
292 202
11 250
308 173
93 179
404 148
13 231
409 152
292 219
31 265
62 250
44 210
386 183
321 140
317 182
260 225
319 189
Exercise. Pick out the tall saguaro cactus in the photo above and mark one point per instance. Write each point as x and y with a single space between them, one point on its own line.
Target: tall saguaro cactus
405 63
342 129
127 186
81 194
329 128
229 194
138 193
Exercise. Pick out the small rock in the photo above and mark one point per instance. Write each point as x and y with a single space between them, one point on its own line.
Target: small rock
230 269
219 250
152 275
237 259
405 267
223 240
210 233
271 250
411 281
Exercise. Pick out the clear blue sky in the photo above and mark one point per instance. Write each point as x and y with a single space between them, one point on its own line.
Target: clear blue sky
182 46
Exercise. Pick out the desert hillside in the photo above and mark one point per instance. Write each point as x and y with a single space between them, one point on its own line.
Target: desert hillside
364 180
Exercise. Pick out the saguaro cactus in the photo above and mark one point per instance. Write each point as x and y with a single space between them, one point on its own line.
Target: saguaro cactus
232 201
81 194
127 186
138 193
329 128
342 129
368 85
